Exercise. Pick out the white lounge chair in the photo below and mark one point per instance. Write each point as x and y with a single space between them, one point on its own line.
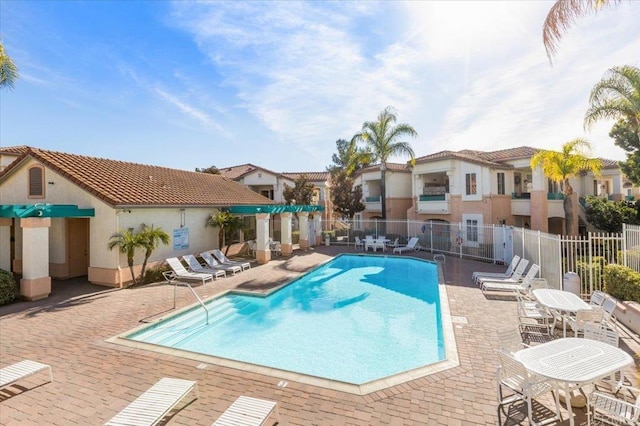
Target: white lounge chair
412 245
609 409
505 274
512 285
213 264
153 405
179 272
20 370
515 277
226 261
196 266
247 411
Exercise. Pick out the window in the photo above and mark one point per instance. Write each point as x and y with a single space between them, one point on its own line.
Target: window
501 183
36 182
471 183
268 193
472 230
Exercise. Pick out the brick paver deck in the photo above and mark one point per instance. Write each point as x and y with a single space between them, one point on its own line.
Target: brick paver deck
94 379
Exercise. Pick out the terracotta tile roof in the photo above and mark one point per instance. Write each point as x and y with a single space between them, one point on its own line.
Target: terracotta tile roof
509 154
236 172
609 164
465 155
19 149
311 176
120 183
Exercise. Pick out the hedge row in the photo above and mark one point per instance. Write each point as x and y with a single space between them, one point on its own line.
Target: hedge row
622 283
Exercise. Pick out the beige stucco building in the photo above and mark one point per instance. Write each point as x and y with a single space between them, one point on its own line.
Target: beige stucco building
58 212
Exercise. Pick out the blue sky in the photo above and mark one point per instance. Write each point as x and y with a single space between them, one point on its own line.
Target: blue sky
194 84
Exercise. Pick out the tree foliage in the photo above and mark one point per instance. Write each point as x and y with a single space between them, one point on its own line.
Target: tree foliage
347 199
561 166
301 193
381 139
609 216
625 136
128 242
8 69
562 15
227 224
213 170
349 157
616 96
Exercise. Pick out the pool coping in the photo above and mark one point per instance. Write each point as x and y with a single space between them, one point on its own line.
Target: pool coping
451 351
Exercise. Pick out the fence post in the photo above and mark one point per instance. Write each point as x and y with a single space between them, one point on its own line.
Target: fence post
589 242
431 234
624 244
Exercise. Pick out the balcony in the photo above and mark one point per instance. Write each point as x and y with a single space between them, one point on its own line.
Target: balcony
375 199
629 198
555 196
441 197
520 195
373 204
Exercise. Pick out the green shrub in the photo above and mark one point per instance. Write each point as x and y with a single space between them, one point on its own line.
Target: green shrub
584 270
8 287
622 283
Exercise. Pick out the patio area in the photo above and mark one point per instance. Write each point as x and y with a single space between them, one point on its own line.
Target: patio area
94 379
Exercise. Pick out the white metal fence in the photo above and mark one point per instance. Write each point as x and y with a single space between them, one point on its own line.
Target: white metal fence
556 255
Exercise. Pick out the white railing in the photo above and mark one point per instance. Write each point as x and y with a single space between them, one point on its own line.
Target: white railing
556 255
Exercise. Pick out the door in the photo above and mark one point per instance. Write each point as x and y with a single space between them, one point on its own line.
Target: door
78 247
503 244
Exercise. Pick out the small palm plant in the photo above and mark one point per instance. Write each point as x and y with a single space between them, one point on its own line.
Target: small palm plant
226 223
129 241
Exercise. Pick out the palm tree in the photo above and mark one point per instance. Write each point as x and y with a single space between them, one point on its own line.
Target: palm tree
149 238
226 223
381 140
560 166
616 96
349 158
127 243
562 15
8 70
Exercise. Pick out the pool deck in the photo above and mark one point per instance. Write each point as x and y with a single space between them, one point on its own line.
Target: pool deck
94 379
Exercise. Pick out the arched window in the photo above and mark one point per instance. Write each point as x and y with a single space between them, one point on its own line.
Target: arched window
36 182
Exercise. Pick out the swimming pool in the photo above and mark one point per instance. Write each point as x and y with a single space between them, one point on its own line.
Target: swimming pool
357 319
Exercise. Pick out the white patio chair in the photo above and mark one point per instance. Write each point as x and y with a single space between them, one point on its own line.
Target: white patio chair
20 370
211 264
153 405
609 306
524 385
247 411
252 247
359 242
597 298
582 318
393 244
506 274
613 411
510 339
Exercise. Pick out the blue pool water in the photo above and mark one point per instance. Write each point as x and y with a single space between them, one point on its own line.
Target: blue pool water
354 319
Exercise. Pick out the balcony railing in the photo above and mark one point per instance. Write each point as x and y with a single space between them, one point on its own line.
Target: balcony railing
441 197
629 198
372 199
521 196
555 196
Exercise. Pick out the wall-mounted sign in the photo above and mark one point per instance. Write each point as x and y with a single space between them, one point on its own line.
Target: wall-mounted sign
181 238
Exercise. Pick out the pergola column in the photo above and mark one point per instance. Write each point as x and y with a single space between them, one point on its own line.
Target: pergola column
304 230
317 225
285 234
36 282
263 253
5 243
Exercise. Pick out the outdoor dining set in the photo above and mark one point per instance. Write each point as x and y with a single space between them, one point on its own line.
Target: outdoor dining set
585 355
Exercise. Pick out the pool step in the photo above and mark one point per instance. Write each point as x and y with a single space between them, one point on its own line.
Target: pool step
192 322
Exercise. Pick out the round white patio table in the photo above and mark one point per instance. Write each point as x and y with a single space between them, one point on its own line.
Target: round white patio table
561 301
575 362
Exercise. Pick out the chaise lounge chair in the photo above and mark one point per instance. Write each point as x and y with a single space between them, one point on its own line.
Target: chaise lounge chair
515 277
411 246
179 272
20 370
153 405
512 285
196 266
498 275
215 265
226 261
247 411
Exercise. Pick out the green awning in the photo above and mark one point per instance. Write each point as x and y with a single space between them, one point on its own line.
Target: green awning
273 209
44 210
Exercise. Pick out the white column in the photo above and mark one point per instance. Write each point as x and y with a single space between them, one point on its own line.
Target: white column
317 221
36 282
285 234
5 243
263 254
304 230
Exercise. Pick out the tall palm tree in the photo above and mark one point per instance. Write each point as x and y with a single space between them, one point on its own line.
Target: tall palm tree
616 96
349 158
381 140
8 70
150 238
560 166
562 15
127 243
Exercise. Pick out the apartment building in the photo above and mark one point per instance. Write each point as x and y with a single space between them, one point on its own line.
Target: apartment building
397 187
